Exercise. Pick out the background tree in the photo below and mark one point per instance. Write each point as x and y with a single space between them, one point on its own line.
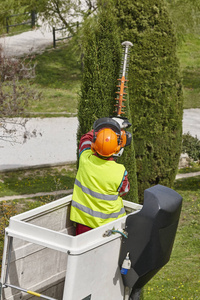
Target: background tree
185 14
15 94
5 9
59 13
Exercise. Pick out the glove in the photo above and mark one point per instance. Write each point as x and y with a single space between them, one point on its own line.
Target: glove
123 122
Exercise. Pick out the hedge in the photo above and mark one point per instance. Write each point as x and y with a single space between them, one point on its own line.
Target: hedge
155 91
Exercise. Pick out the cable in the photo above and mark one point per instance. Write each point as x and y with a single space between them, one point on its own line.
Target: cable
122 233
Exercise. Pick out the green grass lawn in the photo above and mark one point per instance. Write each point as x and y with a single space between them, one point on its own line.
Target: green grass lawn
192 167
37 180
28 182
189 56
58 76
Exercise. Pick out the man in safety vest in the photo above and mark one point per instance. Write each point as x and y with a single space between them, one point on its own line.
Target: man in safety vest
100 181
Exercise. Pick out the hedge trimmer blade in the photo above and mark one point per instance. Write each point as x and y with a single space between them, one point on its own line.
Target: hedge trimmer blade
119 106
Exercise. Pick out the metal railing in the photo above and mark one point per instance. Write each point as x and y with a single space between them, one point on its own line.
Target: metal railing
31 21
8 285
63 38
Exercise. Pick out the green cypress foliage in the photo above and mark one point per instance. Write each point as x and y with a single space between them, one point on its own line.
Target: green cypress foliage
101 48
102 60
155 93
154 89
129 161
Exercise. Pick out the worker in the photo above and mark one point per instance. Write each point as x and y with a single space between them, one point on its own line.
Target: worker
100 182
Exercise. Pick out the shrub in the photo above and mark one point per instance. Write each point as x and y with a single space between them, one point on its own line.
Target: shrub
191 146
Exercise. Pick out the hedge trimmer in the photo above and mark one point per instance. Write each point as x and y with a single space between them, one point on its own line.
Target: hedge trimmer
121 94
124 136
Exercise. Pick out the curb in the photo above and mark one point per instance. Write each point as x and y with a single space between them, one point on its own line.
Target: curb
64 163
16 197
187 175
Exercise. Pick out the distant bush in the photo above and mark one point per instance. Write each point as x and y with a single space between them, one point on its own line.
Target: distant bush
191 146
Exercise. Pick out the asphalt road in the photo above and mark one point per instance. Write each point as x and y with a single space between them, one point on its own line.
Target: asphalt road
191 122
27 42
55 141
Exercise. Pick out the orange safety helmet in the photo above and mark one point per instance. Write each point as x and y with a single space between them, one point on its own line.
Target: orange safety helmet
108 138
106 142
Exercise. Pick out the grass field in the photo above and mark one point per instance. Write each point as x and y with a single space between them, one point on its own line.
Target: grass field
189 56
58 76
37 180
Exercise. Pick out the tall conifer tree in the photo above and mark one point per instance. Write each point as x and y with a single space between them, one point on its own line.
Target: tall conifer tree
155 92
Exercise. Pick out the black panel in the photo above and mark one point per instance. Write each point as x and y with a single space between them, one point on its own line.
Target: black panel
151 234
87 298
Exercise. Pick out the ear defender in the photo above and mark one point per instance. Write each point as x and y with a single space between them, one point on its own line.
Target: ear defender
126 138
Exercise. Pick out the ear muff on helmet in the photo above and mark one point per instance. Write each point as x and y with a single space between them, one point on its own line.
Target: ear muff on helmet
125 138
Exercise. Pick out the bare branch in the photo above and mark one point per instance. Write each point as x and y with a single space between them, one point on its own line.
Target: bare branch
15 96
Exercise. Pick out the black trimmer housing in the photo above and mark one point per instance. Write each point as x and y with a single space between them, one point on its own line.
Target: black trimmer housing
151 233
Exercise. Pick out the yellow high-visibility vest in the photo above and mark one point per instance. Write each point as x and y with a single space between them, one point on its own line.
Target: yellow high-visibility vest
95 199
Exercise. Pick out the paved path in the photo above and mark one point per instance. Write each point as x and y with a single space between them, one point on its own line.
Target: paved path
29 196
191 122
56 142
187 175
27 42
68 192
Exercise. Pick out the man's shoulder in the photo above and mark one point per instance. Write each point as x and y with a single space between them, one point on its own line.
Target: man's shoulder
86 152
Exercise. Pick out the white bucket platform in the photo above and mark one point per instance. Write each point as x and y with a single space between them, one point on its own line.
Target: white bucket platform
43 258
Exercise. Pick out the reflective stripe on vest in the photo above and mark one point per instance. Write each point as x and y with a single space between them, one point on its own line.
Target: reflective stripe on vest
97 214
96 200
95 194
